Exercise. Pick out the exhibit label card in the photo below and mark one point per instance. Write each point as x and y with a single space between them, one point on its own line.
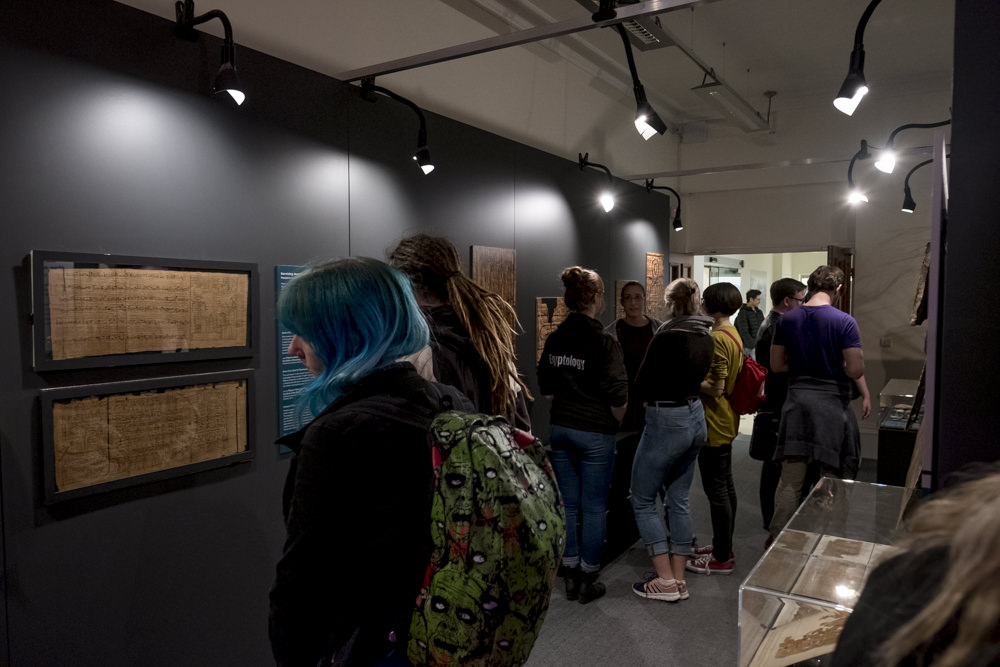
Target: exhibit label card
292 373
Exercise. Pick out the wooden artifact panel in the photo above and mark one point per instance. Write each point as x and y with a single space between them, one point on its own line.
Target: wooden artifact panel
99 310
102 437
550 311
495 269
656 285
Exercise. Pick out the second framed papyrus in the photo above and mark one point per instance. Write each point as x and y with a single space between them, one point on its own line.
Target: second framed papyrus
100 437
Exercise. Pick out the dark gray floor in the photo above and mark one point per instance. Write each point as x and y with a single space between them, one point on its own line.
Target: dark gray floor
622 629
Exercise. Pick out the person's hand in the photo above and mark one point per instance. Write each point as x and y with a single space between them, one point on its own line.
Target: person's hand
866 407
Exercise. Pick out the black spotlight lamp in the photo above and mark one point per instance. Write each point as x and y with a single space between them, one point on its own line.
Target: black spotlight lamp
678 225
855 195
647 121
606 197
605 12
422 156
855 87
227 81
886 161
909 205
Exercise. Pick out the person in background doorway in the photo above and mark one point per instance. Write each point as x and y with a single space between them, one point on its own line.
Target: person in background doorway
819 346
583 373
787 294
748 321
472 329
668 383
715 461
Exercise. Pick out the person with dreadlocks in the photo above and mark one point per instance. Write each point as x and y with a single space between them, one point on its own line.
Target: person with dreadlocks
472 329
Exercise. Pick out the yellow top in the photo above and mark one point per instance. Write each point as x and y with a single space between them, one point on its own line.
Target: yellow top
727 361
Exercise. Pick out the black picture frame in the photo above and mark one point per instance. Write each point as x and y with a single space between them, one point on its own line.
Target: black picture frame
42 261
49 397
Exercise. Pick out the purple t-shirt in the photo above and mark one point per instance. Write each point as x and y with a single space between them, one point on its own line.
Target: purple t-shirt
815 338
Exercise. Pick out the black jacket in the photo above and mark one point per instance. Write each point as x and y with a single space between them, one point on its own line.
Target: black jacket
457 363
748 321
775 384
677 360
357 508
582 367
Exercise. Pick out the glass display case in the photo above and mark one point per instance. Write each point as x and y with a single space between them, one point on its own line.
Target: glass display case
796 599
895 402
895 440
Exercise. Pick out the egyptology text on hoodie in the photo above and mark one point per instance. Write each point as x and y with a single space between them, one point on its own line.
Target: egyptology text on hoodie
557 360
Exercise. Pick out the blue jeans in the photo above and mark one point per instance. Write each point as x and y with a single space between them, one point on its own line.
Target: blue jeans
665 459
582 461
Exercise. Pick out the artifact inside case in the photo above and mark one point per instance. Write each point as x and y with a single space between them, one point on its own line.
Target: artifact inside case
895 403
795 601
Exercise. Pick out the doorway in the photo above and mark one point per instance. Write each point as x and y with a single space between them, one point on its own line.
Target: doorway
756 270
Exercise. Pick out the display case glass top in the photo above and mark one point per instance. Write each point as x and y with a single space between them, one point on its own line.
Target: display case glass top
797 597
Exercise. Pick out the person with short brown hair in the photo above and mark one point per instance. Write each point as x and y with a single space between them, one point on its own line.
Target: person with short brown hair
715 461
819 346
748 320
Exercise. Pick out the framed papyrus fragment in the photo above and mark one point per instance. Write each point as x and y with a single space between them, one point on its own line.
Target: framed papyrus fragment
103 310
107 436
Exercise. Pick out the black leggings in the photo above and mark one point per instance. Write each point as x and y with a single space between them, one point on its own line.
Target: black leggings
716 467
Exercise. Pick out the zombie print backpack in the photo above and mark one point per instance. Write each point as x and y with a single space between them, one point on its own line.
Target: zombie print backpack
498 528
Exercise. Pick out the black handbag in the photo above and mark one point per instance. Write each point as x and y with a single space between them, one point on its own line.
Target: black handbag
764 437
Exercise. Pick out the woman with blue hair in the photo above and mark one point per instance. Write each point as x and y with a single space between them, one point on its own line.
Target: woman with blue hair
358 492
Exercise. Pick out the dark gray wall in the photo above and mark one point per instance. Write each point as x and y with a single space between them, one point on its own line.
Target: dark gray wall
967 351
110 145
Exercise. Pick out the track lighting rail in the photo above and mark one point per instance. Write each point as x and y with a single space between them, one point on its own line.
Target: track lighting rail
517 38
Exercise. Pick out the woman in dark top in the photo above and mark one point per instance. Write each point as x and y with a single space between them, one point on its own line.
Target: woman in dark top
676 362
358 492
582 372
937 604
633 332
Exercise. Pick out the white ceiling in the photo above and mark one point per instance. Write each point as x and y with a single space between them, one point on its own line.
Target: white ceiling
573 93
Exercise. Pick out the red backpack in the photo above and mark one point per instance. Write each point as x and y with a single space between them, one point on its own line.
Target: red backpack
748 391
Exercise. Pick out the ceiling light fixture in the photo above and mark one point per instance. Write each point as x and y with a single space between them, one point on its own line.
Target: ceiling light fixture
855 195
647 121
226 80
678 225
422 156
855 87
607 197
887 158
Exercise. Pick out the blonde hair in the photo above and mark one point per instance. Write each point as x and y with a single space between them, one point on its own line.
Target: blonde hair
433 266
682 297
966 520
583 287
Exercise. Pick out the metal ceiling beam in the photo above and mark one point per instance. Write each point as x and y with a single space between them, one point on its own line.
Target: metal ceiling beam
754 166
518 38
